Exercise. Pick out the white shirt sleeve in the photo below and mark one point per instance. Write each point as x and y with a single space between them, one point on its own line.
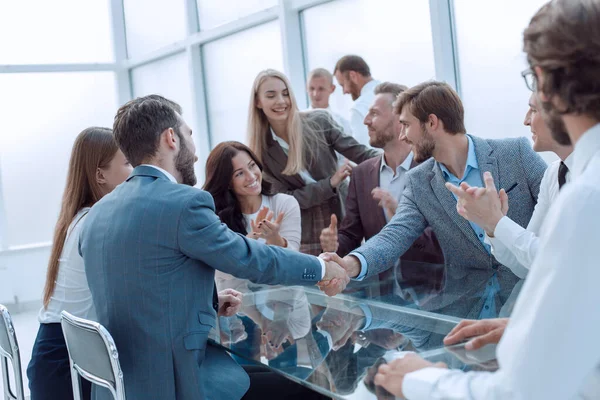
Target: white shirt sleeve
516 247
291 227
359 129
555 306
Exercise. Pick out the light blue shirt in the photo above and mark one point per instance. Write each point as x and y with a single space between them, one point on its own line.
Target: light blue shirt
473 176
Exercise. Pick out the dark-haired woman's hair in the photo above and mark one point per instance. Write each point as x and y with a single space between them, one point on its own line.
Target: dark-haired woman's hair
219 173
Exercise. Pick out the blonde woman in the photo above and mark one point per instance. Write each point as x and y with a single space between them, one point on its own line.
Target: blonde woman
297 150
96 167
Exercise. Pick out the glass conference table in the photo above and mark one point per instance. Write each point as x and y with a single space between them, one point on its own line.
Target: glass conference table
334 345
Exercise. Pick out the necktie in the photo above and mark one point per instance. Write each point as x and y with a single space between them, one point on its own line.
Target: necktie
562 174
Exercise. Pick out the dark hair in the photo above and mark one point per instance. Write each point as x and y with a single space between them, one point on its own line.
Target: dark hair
219 172
93 148
563 39
139 124
352 63
390 88
436 98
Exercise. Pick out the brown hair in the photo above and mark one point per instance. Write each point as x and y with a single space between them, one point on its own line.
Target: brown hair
93 148
563 39
139 124
352 63
390 88
436 98
219 172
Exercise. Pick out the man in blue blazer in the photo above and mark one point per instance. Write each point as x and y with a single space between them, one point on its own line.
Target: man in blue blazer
476 285
151 248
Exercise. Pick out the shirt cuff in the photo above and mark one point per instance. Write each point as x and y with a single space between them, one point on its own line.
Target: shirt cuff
506 230
323 267
363 266
368 316
419 384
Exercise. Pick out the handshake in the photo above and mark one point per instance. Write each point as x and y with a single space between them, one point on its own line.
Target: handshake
338 272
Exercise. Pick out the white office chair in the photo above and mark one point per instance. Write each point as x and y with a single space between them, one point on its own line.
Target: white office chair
9 351
93 356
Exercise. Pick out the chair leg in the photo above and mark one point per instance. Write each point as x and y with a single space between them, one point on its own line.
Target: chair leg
8 394
76 382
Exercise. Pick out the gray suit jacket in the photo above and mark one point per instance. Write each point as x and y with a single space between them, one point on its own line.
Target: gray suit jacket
426 202
150 249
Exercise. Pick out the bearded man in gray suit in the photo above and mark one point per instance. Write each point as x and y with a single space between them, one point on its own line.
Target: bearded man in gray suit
476 285
150 250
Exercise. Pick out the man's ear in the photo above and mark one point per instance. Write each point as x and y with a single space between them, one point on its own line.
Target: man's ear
100 178
332 89
169 137
433 121
353 75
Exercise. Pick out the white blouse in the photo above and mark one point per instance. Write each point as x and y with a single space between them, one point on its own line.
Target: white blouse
71 292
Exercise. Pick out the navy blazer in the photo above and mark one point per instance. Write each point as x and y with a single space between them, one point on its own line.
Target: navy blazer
150 249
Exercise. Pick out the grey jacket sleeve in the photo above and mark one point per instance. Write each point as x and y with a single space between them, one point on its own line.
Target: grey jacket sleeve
383 250
202 236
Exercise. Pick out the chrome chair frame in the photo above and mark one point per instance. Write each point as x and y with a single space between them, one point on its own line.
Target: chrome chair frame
118 389
14 356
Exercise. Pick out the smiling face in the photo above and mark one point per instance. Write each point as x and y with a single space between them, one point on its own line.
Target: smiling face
381 122
542 140
274 99
416 133
247 176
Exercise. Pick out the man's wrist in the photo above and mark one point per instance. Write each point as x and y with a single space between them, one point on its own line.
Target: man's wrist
491 228
352 265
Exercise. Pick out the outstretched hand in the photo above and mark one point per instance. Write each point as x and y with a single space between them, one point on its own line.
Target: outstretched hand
336 278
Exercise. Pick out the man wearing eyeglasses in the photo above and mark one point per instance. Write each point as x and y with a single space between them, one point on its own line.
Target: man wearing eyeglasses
559 301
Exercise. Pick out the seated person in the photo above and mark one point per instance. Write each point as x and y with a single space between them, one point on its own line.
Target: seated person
373 195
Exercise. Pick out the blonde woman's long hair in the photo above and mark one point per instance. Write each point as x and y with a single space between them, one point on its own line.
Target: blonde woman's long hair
299 134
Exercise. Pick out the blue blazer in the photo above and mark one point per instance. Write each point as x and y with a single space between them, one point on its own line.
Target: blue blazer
427 202
150 249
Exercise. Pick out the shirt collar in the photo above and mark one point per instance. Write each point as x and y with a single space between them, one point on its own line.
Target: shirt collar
405 164
279 140
569 161
586 148
471 160
167 174
369 87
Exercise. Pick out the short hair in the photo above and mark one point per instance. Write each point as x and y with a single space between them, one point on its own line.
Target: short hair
140 122
436 98
393 89
320 73
352 63
563 39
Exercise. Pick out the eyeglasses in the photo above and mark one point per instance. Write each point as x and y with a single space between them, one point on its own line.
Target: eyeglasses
530 79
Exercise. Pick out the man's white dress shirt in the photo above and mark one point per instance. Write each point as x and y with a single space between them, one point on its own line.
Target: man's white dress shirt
359 111
550 349
516 247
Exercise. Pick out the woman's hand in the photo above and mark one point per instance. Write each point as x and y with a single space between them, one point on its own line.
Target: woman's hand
264 227
342 173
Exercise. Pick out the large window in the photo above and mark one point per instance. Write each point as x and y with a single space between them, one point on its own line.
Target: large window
230 65
57 31
394 38
43 115
213 13
491 59
153 24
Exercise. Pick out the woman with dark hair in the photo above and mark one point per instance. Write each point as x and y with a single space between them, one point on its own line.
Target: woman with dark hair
96 167
244 201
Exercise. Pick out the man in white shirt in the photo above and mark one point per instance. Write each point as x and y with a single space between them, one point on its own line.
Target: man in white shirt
513 245
354 76
320 87
559 300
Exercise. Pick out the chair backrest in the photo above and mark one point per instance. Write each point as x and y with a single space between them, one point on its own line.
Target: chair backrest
9 351
93 355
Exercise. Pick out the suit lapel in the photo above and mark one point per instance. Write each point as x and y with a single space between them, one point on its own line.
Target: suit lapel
448 203
374 176
279 158
486 160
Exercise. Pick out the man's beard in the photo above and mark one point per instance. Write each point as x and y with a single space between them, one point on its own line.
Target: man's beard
383 137
184 164
354 91
423 149
554 122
